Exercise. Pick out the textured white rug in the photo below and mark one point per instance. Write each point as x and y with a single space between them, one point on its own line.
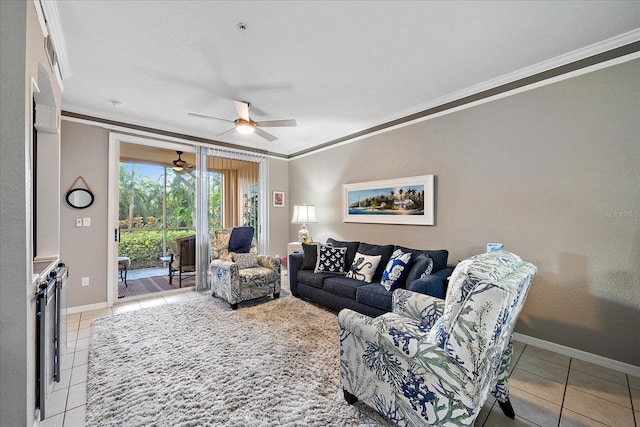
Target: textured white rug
198 363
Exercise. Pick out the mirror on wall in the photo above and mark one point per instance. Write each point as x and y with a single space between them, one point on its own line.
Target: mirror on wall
79 198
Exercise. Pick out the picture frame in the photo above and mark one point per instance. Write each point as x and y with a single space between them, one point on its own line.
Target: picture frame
278 199
407 200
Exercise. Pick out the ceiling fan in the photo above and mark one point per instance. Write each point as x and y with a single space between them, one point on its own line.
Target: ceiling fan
244 125
181 166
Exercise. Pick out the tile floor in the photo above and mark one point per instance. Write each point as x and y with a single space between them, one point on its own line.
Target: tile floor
547 388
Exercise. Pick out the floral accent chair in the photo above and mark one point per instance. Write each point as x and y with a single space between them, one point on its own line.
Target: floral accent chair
238 277
433 361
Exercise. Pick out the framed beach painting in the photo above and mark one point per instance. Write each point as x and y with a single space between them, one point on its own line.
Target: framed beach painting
392 201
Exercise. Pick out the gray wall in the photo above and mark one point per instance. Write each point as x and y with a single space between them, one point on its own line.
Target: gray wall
84 249
552 173
279 217
22 58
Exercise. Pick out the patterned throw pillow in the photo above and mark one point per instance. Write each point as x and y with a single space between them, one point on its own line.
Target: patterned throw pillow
397 268
330 259
364 267
247 260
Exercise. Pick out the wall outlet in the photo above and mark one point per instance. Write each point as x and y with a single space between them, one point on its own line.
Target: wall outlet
86 222
85 281
78 222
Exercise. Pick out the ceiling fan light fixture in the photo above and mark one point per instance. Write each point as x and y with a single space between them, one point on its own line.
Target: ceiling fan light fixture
245 127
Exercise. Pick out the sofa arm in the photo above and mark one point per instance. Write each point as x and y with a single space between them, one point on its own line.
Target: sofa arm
423 308
294 265
273 263
434 284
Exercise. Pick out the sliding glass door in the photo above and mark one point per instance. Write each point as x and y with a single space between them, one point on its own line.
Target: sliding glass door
153 202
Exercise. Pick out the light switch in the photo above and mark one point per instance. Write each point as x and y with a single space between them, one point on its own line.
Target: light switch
78 222
86 222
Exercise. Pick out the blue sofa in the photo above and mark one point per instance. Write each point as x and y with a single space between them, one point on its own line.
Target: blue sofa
336 291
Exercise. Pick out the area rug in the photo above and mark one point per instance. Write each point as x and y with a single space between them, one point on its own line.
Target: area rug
147 285
198 363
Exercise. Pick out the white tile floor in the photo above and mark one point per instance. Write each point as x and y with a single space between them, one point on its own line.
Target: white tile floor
547 389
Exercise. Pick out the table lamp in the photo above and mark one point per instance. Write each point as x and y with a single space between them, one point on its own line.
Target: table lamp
304 214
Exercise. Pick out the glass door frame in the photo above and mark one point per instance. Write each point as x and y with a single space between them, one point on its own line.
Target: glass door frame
202 151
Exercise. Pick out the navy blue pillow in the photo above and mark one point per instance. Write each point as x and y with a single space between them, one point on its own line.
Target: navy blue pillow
439 257
310 256
421 264
240 239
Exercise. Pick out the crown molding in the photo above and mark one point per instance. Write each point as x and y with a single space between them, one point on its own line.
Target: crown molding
600 55
52 19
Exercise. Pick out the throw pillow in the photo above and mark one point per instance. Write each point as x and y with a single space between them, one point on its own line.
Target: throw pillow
240 240
422 266
384 250
352 248
330 259
310 257
364 267
396 270
245 260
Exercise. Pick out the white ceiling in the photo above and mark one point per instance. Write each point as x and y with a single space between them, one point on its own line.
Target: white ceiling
337 67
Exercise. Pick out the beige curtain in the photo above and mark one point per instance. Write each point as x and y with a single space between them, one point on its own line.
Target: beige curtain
237 176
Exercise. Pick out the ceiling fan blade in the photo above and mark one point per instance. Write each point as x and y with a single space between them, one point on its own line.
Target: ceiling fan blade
277 123
209 117
243 109
265 135
226 131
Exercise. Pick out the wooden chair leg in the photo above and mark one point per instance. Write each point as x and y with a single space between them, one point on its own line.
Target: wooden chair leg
350 398
234 306
507 409
276 295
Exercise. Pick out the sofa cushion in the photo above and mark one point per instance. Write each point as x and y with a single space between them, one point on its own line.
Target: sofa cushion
308 277
363 267
422 266
330 259
375 295
352 248
342 286
396 270
310 256
439 257
384 250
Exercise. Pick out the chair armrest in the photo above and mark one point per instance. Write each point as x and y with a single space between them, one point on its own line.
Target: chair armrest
423 308
359 324
224 265
433 284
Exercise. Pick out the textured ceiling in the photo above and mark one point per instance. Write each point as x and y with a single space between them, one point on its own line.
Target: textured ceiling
338 68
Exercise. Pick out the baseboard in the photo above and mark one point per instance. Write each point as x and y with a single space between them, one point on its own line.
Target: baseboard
579 354
90 307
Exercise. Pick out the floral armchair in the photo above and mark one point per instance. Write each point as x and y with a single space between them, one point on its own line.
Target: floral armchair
433 361
238 277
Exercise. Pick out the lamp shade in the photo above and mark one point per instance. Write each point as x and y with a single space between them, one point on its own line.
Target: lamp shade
304 214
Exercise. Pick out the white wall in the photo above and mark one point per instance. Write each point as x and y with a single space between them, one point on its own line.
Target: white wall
553 173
